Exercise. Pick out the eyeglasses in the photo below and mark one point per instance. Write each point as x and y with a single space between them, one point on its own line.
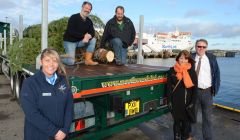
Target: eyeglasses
204 47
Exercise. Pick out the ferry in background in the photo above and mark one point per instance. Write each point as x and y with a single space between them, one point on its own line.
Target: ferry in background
166 42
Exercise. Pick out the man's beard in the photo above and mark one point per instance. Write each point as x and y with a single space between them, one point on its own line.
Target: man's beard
84 14
120 19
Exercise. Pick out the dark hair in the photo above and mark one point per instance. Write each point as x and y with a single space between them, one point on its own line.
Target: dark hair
119 7
86 2
187 56
201 40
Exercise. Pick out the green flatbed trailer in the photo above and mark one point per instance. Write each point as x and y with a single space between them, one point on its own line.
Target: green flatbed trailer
122 97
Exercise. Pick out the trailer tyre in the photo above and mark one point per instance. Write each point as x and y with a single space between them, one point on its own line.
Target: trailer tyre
1 70
18 84
12 82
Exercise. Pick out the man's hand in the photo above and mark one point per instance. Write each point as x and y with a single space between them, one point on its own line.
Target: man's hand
135 42
60 135
86 38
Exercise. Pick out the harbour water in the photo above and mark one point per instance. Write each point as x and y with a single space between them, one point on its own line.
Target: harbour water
229 93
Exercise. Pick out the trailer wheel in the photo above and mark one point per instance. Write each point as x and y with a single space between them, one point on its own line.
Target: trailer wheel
12 82
19 77
17 86
1 70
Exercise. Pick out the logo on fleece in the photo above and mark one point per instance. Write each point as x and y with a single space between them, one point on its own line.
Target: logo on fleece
62 88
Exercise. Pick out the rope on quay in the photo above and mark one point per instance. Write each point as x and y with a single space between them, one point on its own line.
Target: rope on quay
226 107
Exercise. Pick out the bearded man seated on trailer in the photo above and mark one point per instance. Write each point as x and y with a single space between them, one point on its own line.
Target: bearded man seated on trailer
120 33
80 33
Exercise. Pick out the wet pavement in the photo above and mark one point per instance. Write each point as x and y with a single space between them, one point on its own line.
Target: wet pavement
11 115
226 124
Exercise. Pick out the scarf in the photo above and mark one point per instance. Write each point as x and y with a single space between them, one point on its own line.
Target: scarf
182 73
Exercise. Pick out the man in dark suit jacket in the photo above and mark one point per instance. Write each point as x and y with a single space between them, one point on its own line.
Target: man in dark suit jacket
208 73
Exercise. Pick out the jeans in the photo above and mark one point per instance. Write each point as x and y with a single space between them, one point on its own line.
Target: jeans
205 101
70 48
119 51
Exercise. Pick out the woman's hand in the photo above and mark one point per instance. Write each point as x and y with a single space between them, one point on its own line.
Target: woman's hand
60 135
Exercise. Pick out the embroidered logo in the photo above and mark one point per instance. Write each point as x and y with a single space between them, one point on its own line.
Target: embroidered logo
62 88
74 89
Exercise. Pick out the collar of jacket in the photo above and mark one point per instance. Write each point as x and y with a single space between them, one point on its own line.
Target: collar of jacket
43 77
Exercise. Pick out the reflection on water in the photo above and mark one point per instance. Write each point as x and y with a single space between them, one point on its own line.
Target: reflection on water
229 93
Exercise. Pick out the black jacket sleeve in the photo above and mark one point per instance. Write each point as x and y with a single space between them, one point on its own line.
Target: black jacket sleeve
133 34
216 77
169 85
68 116
195 87
105 35
91 29
215 71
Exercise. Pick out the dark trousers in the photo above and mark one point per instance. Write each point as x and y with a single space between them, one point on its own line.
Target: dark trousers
181 130
205 101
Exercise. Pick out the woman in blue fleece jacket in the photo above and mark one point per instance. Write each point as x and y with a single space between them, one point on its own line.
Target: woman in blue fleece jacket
47 100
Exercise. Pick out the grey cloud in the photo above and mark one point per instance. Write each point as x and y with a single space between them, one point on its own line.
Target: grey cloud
235 44
198 29
195 12
214 30
7 5
32 2
218 44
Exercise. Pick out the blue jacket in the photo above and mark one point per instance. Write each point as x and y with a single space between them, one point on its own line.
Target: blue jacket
48 108
215 72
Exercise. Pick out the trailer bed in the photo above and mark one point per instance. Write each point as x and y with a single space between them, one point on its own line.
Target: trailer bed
110 69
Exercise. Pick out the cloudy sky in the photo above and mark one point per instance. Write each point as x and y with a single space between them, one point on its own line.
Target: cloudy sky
216 20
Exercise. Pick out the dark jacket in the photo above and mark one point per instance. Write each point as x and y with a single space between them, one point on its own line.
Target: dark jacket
77 28
215 72
177 98
47 108
127 35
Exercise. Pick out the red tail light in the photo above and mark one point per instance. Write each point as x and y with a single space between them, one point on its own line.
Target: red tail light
79 125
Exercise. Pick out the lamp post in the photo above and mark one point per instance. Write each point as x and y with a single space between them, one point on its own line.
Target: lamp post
44 30
140 36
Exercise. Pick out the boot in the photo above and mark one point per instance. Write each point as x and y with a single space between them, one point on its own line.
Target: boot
88 59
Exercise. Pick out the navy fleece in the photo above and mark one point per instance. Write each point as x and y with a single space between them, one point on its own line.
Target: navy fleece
48 108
